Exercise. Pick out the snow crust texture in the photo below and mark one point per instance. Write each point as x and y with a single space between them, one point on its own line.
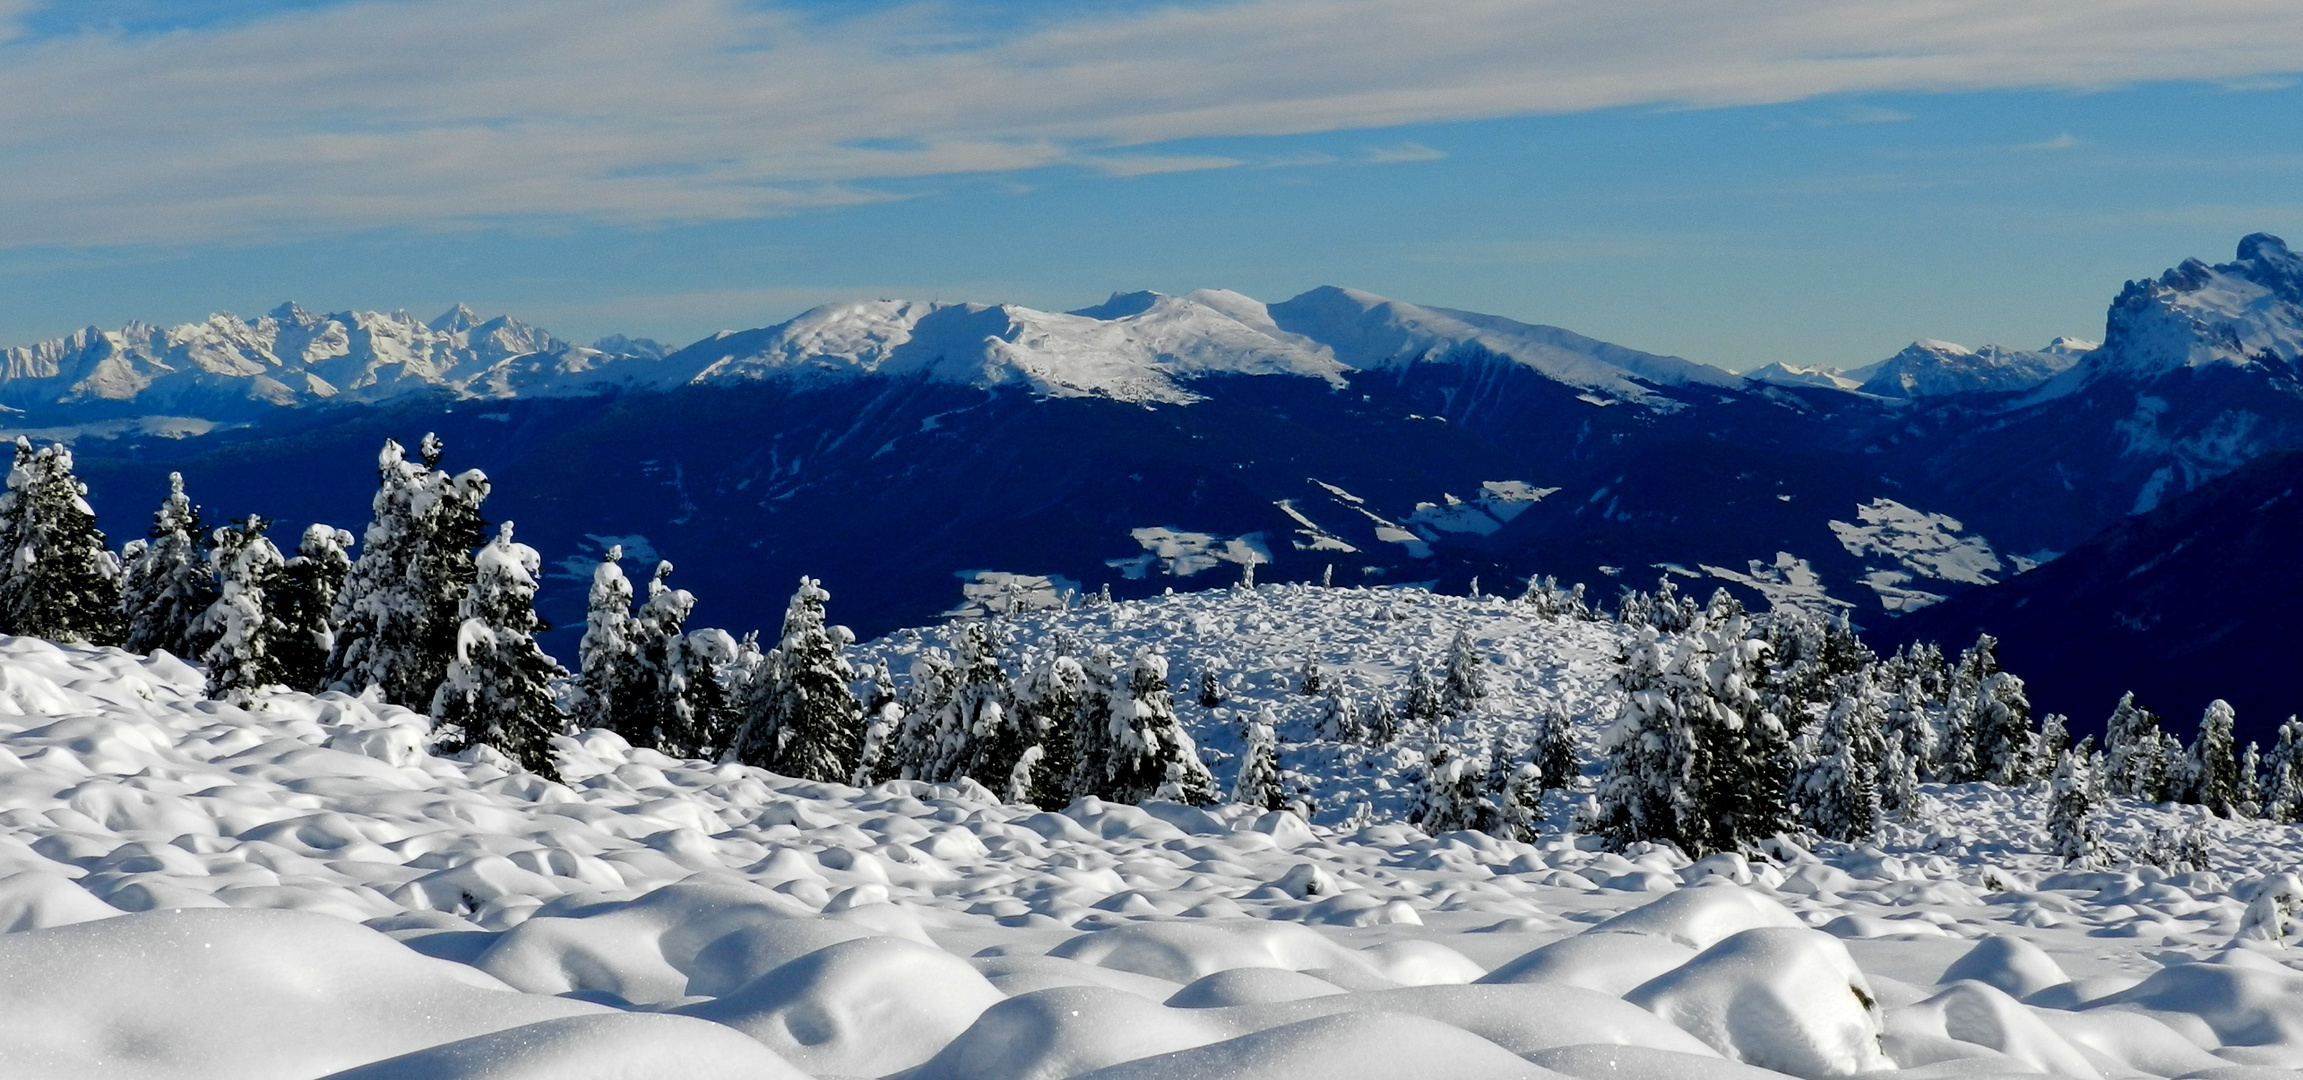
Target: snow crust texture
297 889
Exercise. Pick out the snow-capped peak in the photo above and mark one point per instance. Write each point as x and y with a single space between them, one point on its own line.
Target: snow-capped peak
2240 313
226 366
1933 368
1147 346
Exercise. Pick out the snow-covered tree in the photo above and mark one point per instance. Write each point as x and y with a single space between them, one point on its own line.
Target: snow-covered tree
2054 738
607 660
397 619
1258 783
1382 726
497 691
1907 723
1517 795
167 583
1465 686
239 625
1048 701
1310 681
1422 699
2282 798
1694 757
2251 780
1339 715
660 711
803 718
2211 766
2136 753
1557 753
1549 601
303 602
60 582
1838 790
1210 691
1448 798
1898 782
1094 748
2071 825
1153 757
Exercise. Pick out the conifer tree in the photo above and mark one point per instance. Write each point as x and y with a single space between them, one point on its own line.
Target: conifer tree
2071 823
1898 781
1210 693
1422 700
1258 783
2251 781
1339 717
2211 771
60 581
806 722
1382 727
497 691
1557 755
1049 698
2282 799
167 583
1695 758
608 685
2137 762
239 625
1465 686
398 623
1153 757
1448 799
303 599
1094 748
1839 790
1519 803
1907 724
661 709
1310 681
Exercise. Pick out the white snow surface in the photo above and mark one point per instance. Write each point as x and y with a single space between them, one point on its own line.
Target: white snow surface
297 889
1914 544
1147 347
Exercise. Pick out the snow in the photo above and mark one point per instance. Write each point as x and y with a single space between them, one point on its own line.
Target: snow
1921 545
225 365
1498 502
1147 348
296 888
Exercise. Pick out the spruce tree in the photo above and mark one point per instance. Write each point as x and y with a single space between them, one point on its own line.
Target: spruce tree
497 691
660 712
60 582
239 626
608 685
1448 798
2282 799
1049 698
1422 699
397 620
1258 783
1465 686
1382 727
1152 756
1898 782
303 600
1557 754
1694 757
1210 693
167 583
1339 715
2071 826
1095 749
1839 790
1310 681
1907 724
2211 771
1519 803
2251 781
808 722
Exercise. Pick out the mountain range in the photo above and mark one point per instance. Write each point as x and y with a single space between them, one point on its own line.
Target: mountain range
925 456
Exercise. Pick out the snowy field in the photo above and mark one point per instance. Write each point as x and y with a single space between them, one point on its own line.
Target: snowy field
297 889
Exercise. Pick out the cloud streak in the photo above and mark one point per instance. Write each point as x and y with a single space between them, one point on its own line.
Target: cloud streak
443 113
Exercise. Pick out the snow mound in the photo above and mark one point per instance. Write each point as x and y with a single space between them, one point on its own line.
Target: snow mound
1353 1044
866 1007
589 1048
1780 998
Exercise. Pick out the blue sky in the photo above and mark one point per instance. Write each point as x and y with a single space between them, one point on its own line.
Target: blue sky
1734 183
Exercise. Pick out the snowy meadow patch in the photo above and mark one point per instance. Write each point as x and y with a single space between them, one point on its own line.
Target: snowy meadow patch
298 886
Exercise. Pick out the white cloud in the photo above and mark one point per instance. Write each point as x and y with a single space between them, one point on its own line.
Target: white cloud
440 112
1402 153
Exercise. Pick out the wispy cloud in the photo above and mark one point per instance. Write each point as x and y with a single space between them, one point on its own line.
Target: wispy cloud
1154 164
1402 153
2064 141
438 112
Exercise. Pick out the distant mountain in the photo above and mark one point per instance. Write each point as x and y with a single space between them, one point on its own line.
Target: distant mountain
1144 347
2195 600
228 368
1933 369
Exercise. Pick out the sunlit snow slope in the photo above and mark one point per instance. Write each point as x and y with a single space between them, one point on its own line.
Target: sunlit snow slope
298 889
